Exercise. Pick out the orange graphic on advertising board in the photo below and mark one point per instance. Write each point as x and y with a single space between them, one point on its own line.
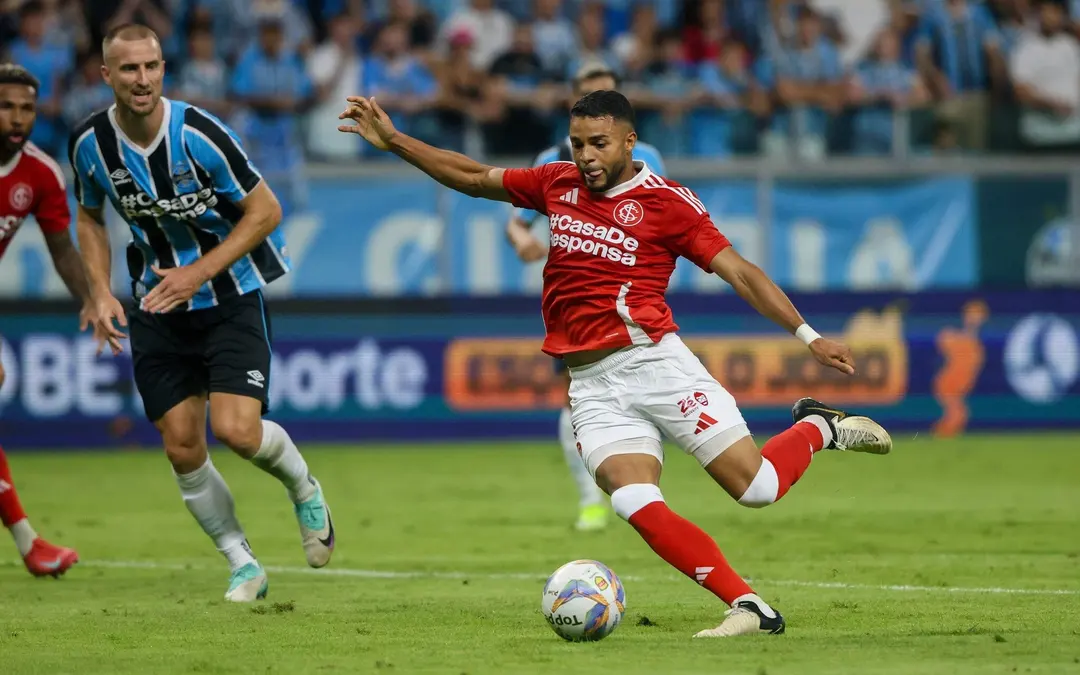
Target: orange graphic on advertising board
772 369
963 356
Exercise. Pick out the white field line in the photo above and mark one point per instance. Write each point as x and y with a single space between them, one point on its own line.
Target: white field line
391 574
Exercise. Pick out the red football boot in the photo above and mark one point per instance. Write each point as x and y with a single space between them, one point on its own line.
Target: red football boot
44 559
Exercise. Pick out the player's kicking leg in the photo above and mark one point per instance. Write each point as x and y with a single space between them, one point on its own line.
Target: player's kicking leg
238 354
618 426
757 478
41 558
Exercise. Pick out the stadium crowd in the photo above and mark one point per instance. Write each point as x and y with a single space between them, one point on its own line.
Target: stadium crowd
710 78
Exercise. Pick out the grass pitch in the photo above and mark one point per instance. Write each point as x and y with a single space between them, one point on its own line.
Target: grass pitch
950 557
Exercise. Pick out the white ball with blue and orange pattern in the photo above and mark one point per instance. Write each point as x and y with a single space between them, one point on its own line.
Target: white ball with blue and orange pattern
583 601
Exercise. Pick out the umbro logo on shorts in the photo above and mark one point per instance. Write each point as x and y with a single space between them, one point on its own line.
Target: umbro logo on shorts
256 379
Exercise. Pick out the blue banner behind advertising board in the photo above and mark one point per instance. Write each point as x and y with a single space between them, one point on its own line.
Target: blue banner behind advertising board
394 236
471 368
909 235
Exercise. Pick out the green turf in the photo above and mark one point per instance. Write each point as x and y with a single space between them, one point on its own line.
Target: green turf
983 512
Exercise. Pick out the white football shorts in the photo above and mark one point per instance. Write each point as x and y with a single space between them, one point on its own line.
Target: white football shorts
646 392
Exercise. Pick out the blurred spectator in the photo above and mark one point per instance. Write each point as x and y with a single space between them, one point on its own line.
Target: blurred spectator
591 43
420 24
634 48
271 83
336 69
855 23
666 94
492 31
809 86
235 23
88 92
66 25
402 84
879 88
704 37
1013 18
904 22
50 63
745 19
103 15
729 102
202 80
1046 75
461 92
553 36
957 53
525 99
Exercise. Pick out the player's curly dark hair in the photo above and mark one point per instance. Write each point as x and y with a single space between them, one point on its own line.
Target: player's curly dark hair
13 73
605 103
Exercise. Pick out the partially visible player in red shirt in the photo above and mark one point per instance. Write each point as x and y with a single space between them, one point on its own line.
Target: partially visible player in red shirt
31 183
617 230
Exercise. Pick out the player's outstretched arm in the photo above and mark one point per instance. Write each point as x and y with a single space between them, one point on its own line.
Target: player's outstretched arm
758 289
454 170
97 263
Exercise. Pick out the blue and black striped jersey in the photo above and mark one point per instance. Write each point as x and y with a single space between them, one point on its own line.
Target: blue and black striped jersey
179 196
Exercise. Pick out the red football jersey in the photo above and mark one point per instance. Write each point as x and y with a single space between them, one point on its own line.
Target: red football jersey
612 253
32 183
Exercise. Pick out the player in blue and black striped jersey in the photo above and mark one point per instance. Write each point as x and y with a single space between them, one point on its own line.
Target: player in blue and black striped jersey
593 511
203 244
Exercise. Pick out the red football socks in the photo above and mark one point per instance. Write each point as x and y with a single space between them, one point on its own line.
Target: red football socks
791 452
688 549
11 510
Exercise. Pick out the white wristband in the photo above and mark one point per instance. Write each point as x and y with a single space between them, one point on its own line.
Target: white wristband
806 334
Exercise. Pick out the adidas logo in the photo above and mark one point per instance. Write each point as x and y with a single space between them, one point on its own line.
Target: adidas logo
120 176
256 379
4 486
570 197
704 422
701 572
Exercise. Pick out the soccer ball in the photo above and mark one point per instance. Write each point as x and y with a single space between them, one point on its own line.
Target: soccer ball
583 601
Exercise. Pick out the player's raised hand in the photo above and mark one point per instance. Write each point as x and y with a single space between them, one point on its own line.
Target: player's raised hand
371 122
177 286
108 310
833 354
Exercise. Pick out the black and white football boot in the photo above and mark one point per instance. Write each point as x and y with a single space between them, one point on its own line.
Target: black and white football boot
854 433
750 616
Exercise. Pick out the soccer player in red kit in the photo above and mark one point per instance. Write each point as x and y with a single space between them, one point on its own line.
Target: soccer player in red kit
617 230
31 183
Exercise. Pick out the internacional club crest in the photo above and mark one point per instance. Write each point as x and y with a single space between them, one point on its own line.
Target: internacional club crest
628 213
21 197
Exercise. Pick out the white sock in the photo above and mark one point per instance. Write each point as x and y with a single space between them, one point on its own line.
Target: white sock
279 457
24 536
208 498
588 492
822 425
763 489
762 605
